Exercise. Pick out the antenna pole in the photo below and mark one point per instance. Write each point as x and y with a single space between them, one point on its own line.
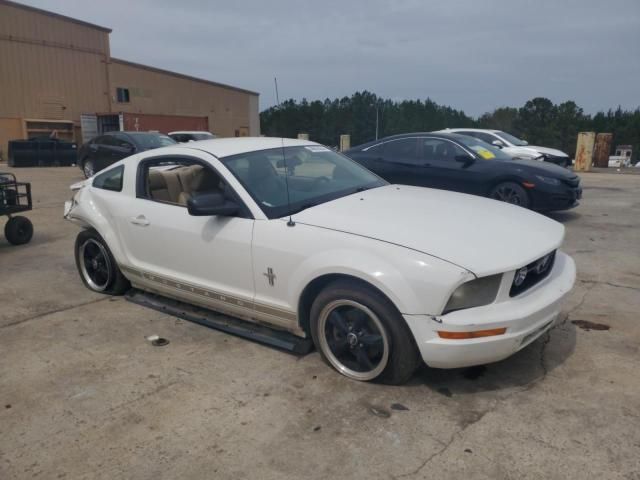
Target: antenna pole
290 223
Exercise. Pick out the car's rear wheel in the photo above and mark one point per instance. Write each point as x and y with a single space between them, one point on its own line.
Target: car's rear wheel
362 335
18 230
88 168
510 192
96 265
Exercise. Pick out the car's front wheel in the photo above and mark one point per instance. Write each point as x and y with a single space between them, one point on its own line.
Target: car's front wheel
510 192
362 335
96 265
88 168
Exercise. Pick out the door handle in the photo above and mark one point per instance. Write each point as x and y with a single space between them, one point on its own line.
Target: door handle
140 220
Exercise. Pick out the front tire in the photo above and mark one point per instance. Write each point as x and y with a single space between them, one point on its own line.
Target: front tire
96 265
510 192
18 230
362 335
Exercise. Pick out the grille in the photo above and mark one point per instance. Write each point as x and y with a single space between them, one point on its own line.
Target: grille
537 271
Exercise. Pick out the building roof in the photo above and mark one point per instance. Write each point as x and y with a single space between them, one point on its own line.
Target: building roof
180 75
55 15
224 147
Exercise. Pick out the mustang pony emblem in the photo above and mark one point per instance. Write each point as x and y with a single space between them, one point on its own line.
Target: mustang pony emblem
271 276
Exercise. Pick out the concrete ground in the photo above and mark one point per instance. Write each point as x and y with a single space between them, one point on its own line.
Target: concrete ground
84 395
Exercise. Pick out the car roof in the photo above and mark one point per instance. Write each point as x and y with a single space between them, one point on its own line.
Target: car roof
439 134
189 132
134 133
490 130
224 147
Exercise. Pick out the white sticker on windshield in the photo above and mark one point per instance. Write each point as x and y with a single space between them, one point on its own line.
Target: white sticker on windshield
317 148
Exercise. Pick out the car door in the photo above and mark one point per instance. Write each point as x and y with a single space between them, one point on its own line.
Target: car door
447 165
402 163
122 147
105 154
202 259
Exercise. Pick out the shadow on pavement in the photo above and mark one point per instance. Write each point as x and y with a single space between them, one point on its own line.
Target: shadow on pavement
522 369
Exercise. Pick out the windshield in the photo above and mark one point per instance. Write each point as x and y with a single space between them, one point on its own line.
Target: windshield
314 174
482 149
511 139
147 141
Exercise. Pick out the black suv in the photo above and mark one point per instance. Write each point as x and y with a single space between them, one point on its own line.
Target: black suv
102 151
469 165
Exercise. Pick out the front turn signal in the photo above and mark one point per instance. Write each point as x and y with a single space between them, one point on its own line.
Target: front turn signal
467 335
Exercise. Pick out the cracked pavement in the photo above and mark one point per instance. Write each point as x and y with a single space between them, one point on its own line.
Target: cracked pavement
84 395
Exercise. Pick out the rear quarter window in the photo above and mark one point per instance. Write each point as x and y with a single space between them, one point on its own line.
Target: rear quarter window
110 180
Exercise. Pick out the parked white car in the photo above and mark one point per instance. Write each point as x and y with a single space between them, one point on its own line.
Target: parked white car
514 146
184 136
293 235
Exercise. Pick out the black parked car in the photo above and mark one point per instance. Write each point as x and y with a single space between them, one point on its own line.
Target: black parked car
102 151
469 165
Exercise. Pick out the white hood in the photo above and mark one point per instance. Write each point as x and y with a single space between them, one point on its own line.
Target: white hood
479 234
523 152
548 151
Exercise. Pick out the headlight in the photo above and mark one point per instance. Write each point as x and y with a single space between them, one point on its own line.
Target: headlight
478 292
548 180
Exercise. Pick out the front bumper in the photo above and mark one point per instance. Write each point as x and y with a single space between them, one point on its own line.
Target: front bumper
525 317
560 197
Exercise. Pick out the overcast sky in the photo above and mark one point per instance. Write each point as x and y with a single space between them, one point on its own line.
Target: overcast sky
470 54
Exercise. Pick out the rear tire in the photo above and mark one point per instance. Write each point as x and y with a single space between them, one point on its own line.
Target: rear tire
362 335
510 192
97 267
18 230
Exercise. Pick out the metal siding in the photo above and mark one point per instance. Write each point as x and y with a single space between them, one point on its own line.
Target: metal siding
152 92
38 77
163 123
28 24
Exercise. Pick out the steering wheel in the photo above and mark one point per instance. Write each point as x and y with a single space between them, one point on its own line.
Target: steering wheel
316 183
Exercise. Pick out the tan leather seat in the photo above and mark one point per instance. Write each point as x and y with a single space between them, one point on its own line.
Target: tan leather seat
157 187
196 179
164 185
173 184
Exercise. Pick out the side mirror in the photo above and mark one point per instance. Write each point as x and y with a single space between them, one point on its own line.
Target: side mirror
497 143
209 204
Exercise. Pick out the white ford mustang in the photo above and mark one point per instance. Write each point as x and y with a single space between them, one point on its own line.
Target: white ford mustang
291 234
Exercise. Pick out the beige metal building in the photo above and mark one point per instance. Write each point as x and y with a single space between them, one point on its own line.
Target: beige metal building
57 73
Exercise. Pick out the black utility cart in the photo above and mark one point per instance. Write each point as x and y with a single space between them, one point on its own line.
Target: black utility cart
15 197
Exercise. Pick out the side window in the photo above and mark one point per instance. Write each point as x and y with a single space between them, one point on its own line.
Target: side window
402 151
486 137
440 149
123 142
108 140
176 180
110 180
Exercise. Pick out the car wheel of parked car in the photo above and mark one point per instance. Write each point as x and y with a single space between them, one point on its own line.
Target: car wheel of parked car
18 230
361 335
510 192
97 267
88 168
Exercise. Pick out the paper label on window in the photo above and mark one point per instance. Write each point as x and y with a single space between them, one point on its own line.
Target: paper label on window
317 148
486 154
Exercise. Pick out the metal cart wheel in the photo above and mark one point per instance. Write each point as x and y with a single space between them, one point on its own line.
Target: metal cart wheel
18 230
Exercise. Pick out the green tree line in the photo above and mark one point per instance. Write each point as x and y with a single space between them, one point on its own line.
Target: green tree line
539 121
